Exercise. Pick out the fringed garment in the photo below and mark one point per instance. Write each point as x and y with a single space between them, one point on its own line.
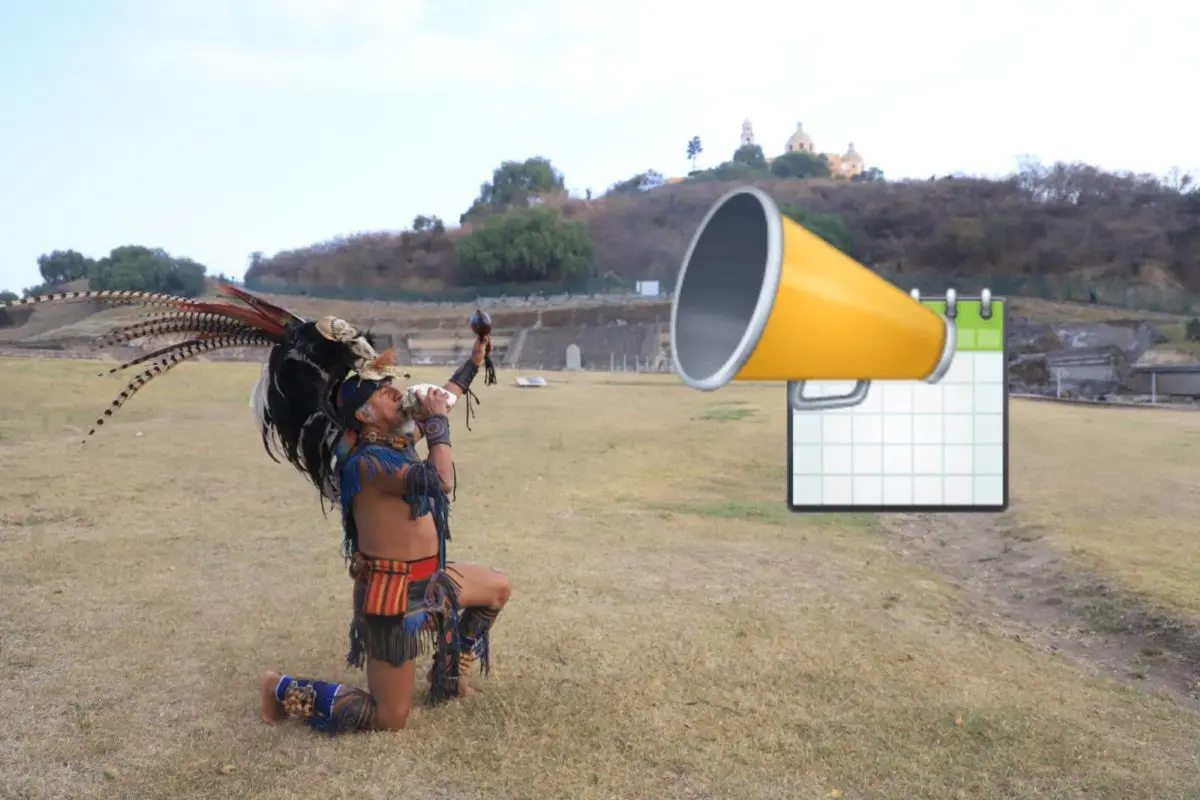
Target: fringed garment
367 460
403 609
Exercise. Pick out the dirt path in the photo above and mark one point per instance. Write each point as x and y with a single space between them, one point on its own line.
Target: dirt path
1035 595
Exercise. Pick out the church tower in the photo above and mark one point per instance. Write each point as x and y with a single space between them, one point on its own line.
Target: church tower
747 133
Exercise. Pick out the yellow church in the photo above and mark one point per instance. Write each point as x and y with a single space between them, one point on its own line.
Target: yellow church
846 165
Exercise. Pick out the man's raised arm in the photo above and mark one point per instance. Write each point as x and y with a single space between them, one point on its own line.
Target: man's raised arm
460 381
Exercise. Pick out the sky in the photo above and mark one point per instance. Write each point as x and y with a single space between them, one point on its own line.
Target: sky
216 128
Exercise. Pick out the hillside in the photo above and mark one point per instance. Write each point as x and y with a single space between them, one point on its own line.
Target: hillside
1063 223
618 333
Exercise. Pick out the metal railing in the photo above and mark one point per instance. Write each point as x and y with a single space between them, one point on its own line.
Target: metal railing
456 294
1110 293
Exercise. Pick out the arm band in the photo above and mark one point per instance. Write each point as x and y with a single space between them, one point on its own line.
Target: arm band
463 376
436 430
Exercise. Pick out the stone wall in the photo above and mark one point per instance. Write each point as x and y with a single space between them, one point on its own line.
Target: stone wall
600 348
1042 355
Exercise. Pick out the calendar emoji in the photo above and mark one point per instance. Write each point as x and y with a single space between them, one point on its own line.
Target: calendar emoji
912 445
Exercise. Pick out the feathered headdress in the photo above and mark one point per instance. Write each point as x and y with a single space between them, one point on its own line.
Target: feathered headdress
294 400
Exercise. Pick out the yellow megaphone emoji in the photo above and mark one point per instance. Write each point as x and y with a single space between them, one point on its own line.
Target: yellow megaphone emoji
760 298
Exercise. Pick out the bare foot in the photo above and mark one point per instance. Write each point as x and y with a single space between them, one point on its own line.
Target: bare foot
272 709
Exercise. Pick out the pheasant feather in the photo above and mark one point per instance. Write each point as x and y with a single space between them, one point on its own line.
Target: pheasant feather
292 400
185 351
250 339
106 296
181 322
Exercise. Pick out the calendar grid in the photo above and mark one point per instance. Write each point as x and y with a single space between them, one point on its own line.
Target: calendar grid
911 445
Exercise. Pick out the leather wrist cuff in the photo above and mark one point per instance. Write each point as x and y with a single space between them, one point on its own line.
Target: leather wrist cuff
463 376
436 430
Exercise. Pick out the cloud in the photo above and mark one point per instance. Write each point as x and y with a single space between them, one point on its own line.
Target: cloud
603 54
859 64
366 45
374 17
379 46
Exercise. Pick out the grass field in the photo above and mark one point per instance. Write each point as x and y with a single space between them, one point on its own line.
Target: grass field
673 632
1117 489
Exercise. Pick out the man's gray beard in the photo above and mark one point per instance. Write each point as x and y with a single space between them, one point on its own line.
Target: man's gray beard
405 427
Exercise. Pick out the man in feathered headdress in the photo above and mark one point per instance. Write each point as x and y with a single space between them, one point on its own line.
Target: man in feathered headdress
332 407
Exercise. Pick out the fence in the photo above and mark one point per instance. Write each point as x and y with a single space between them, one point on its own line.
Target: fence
626 363
456 294
617 362
1076 290
1085 380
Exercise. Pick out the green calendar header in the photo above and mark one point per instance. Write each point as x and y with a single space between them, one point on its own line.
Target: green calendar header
975 332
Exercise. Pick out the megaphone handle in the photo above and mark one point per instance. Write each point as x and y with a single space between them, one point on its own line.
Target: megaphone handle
798 402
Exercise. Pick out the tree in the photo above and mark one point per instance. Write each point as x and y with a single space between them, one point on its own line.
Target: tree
729 171
147 270
751 155
516 184
642 182
534 244
1180 181
422 223
830 227
800 164
62 266
871 174
694 149
7 296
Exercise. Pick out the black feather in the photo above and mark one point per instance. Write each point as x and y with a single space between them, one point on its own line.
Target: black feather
303 373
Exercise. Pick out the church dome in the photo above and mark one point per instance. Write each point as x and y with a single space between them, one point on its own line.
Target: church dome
852 156
799 142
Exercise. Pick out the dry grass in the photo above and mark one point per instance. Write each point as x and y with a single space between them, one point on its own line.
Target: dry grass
1056 311
1115 488
674 632
1182 349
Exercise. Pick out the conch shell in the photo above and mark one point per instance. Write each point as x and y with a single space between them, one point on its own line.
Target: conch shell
413 394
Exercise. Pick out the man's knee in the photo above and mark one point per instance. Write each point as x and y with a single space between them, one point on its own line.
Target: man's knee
482 587
392 716
392 688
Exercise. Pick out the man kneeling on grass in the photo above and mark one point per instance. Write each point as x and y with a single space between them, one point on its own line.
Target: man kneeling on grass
407 597
327 404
